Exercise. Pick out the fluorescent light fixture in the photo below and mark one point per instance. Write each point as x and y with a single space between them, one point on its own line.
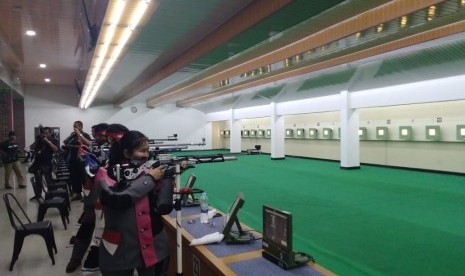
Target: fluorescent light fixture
42 65
313 133
433 133
363 133
30 33
382 133
461 132
113 39
406 132
327 133
289 133
47 80
300 133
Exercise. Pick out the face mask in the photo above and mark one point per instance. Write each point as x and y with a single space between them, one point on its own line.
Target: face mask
137 162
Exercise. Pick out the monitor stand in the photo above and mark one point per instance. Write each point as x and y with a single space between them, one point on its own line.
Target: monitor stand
288 260
189 200
239 236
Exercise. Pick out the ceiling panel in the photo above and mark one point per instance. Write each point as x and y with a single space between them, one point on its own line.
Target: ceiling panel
174 27
178 26
58 41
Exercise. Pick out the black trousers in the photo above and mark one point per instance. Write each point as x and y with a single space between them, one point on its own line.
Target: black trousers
84 234
41 175
76 175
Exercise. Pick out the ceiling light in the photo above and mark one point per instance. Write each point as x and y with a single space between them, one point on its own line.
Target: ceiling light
47 80
431 12
30 33
403 21
113 39
42 65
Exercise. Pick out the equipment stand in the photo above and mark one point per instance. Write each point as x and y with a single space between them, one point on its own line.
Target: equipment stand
177 206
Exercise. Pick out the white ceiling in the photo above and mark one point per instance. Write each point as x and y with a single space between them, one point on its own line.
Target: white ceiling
187 47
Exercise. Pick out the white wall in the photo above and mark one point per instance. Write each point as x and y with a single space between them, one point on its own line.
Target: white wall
439 102
56 106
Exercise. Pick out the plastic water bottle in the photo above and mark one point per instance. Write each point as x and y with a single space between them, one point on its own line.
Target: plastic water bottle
203 208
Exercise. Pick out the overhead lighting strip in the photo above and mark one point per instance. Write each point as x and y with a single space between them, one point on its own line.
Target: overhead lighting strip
113 41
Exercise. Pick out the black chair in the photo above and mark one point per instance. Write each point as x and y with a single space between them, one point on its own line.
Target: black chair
56 202
24 227
51 202
52 191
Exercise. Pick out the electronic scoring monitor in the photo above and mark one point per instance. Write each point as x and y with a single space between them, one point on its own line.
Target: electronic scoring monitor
277 239
236 235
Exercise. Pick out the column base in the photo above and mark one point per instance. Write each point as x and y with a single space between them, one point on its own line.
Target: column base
350 168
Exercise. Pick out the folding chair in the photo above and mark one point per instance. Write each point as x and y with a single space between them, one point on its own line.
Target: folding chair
24 227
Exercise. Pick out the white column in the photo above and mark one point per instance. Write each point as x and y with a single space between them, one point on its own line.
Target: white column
350 143
235 135
277 134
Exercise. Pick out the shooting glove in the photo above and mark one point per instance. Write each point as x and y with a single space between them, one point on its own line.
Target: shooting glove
164 197
114 200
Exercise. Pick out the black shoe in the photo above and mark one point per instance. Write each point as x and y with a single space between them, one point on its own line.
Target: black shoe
34 198
77 196
7 187
91 263
72 265
81 218
22 186
72 240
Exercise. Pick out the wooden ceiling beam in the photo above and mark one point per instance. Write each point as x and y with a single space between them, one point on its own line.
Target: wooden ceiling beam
249 16
389 11
415 39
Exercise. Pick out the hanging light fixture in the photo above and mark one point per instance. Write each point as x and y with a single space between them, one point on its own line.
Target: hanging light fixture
119 25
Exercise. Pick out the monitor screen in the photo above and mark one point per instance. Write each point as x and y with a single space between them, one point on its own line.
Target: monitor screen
234 209
190 181
235 235
277 228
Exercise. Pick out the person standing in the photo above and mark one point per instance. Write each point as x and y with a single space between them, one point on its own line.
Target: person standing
76 168
133 237
44 146
9 151
83 237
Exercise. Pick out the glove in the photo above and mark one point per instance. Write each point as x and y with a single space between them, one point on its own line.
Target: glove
164 200
116 201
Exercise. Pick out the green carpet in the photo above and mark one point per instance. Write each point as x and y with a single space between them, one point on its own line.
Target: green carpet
372 221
